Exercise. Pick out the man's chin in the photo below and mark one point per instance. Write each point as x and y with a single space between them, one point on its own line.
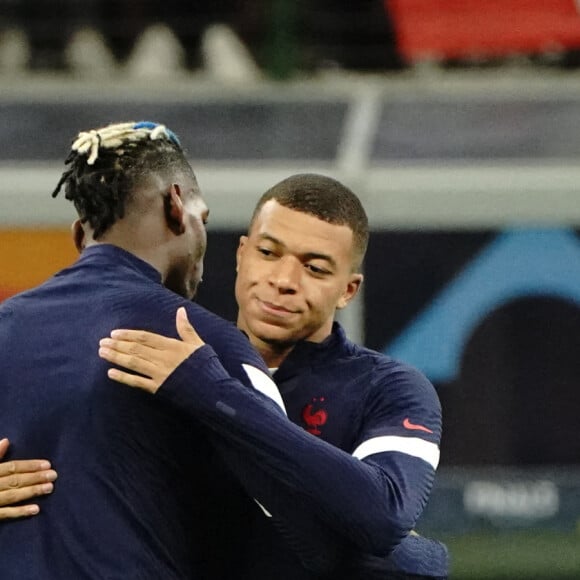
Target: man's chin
276 336
192 292
187 292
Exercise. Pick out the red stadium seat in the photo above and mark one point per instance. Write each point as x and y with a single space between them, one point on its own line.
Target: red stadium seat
466 29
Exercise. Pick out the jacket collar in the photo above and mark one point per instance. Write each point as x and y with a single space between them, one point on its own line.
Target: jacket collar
308 354
106 254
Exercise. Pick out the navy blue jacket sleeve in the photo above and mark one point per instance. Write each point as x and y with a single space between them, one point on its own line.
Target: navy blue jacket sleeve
372 503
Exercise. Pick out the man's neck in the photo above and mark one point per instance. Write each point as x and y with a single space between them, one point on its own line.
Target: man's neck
273 354
151 255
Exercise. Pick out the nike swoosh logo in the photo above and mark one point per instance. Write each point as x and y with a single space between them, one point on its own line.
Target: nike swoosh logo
413 427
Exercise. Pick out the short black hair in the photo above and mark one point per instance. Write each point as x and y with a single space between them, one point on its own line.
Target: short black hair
107 164
326 199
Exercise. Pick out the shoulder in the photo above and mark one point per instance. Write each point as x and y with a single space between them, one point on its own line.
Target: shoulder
400 401
154 308
399 375
387 372
230 344
212 325
396 384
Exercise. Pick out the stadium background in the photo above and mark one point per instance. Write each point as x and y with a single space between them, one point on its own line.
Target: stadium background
458 124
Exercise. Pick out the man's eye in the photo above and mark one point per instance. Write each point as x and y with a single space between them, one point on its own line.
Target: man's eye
316 269
265 251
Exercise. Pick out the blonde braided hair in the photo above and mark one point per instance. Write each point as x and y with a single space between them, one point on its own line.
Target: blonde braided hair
106 165
113 136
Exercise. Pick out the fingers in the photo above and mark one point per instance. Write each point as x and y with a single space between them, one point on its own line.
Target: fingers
154 357
147 384
10 513
12 496
23 466
184 329
130 355
131 362
20 481
4 444
16 481
141 337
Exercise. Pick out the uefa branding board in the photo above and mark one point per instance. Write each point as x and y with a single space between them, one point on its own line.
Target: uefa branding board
474 500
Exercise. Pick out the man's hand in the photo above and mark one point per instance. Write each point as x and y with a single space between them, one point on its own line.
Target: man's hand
21 480
152 355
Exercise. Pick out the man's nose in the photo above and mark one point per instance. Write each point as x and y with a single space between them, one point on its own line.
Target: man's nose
286 274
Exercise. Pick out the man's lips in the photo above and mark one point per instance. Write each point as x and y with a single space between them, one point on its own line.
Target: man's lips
275 309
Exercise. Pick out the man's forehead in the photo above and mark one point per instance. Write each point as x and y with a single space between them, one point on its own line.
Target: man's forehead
303 233
273 215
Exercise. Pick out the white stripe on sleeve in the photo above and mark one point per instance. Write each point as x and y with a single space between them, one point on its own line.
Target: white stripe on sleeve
264 383
266 512
414 446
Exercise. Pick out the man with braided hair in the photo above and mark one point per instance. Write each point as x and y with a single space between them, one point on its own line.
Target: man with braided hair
139 483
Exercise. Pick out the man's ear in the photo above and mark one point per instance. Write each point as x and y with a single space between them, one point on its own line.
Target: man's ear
350 291
78 235
173 210
239 251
